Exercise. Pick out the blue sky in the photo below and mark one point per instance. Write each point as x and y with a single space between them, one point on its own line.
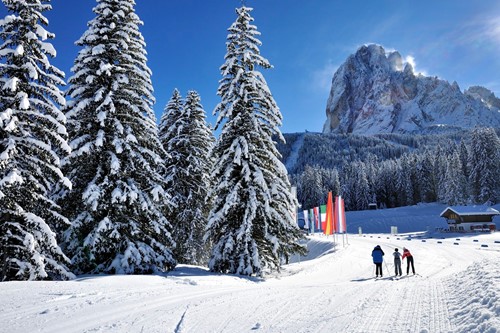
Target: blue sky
306 41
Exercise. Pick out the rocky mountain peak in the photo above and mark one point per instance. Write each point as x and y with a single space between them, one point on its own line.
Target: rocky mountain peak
376 91
484 95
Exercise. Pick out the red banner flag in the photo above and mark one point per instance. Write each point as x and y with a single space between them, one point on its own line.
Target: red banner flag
316 218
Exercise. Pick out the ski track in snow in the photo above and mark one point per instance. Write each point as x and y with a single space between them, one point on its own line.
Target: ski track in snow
334 292
294 153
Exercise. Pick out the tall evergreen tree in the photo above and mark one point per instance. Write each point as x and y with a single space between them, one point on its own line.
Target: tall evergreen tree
329 183
188 138
427 177
170 117
356 191
118 203
32 141
464 157
309 188
440 166
484 166
391 173
455 183
404 185
382 184
251 222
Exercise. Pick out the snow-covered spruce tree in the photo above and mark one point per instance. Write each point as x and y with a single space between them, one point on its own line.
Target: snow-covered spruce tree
484 166
118 203
251 222
309 190
404 186
32 139
171 115
188 138
427 177
356 191
455 183
329 183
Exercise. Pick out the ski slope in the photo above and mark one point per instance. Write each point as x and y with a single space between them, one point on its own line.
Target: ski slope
457 289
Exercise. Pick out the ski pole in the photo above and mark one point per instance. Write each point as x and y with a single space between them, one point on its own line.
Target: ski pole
388 271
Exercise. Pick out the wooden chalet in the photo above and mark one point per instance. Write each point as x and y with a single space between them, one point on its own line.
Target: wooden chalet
470 218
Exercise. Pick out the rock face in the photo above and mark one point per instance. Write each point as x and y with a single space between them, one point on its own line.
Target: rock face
377 92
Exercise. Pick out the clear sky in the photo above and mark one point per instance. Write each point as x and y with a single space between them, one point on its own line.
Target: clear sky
306 41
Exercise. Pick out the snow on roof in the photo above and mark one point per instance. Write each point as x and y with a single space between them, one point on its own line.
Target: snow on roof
471 210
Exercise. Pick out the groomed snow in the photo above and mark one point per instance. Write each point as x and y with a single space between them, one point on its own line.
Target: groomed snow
457 289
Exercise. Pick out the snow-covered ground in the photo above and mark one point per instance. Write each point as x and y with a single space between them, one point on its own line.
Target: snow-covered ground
457 289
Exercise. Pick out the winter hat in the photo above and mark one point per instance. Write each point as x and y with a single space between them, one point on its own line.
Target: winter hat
396 249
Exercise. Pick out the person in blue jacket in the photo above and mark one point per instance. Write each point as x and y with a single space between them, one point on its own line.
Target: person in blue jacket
378 259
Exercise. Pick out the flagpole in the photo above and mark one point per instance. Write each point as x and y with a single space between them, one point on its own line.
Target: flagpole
344 222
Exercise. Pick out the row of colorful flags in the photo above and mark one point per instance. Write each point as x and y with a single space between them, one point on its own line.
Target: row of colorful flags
329 218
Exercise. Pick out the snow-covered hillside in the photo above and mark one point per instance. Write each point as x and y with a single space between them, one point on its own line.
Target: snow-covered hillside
457 289
423 217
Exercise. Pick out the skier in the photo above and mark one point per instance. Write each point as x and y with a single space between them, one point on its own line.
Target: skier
397 262
378 255
407 254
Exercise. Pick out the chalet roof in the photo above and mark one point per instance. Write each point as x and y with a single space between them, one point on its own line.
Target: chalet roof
470 211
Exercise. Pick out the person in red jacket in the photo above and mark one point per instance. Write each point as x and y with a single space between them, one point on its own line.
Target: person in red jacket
407 254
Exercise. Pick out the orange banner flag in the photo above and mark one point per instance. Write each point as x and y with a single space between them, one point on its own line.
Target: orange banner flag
329 227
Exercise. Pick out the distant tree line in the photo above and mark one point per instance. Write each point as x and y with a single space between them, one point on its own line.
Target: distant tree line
395 170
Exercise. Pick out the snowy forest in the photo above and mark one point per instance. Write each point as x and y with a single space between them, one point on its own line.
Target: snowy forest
90 183
393 170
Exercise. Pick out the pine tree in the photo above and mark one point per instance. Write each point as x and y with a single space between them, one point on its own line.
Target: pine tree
484 166
415 189
309 190
382 183
455 183
32 141
464 157
171 115
330 182
188 138
404 185
356 191
251 222
391 167
427 177
440 165
118 203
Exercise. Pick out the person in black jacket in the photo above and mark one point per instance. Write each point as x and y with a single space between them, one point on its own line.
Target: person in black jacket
378 259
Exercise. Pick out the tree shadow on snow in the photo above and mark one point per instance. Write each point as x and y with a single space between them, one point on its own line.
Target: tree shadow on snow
190 271
372 278
362 279
181 271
